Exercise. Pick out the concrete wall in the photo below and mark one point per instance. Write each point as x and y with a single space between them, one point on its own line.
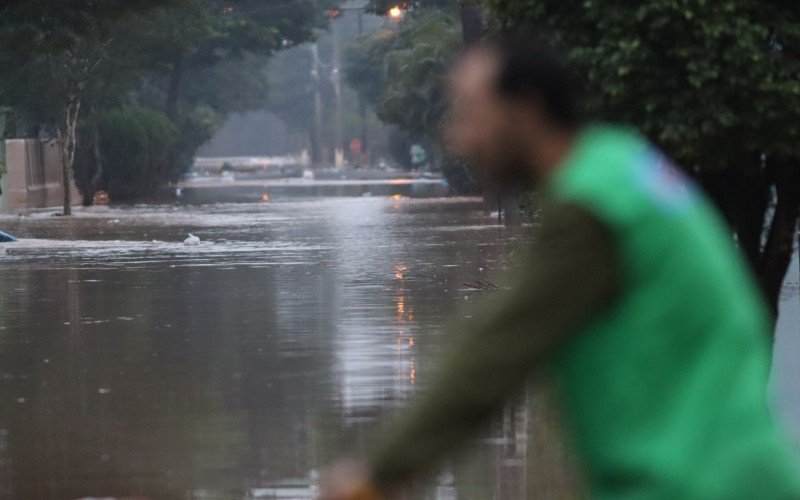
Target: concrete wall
33 176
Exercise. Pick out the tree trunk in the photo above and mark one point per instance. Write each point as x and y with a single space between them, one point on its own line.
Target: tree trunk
67 145
88 187
97 156
175 79
746 201
778 246
743 200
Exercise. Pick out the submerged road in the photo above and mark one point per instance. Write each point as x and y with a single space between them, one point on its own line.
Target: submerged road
230 189
132 364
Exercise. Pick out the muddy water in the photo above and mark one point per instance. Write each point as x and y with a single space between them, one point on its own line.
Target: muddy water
132 364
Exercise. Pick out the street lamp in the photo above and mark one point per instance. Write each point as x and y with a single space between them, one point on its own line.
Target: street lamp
395 13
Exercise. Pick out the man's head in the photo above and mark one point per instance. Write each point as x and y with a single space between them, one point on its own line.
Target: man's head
513 109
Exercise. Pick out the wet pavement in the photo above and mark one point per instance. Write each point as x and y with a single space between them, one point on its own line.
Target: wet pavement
133 364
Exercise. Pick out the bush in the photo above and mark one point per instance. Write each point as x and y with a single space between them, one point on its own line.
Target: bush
137 146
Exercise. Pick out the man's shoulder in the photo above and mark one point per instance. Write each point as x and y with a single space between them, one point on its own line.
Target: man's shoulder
619 176
600 158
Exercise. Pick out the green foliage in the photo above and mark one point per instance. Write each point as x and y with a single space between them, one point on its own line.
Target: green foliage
194 128
207 32
401 70
67 44
232 85
197 60
137 147
212 55
291 88
713 82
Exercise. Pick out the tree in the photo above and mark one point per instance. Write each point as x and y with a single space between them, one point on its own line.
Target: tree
200 34
400 71
197 60
715 84
137 143
66 44
302 90
292 88
211 56
402 76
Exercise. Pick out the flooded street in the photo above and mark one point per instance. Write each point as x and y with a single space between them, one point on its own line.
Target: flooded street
133 364
237 239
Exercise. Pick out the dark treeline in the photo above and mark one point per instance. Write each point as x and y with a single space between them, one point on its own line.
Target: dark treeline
131 89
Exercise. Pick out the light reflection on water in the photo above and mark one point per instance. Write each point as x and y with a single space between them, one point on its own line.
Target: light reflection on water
132 364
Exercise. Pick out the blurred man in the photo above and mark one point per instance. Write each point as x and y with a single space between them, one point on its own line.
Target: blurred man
633 297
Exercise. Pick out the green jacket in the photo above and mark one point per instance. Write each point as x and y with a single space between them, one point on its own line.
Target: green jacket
637 301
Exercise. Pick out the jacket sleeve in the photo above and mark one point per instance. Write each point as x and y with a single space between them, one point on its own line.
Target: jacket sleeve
572 273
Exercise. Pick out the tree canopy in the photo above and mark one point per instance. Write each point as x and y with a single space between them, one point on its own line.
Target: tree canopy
400 70
714 83
195 61
691 74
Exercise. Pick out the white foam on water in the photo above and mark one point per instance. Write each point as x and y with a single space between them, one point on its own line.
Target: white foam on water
50 253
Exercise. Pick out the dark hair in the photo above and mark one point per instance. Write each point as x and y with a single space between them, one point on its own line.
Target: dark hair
532 70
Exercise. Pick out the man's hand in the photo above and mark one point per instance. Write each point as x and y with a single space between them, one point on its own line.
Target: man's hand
348 480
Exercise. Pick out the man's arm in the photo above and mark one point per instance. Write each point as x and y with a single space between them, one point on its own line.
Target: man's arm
572 273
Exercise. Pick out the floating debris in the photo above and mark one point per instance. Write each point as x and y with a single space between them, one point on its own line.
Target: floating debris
480 285
192 240
101 198
6 238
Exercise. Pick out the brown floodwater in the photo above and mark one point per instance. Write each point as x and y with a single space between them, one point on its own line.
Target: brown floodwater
132 364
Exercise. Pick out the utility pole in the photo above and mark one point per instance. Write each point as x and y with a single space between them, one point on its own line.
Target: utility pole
317 150
362 108
336 77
